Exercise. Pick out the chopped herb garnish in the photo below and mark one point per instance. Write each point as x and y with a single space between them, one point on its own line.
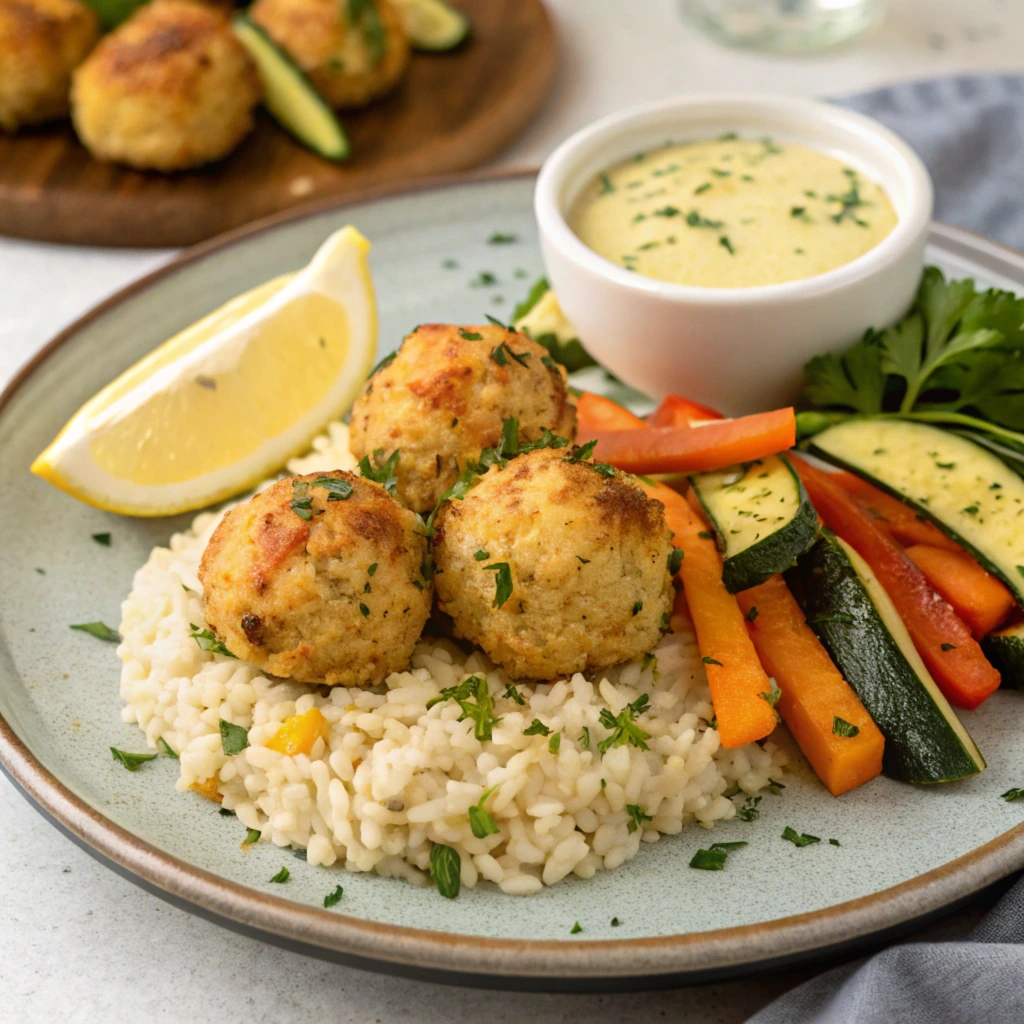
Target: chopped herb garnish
582 452
665 623
131 761
706 534
775 788
752 613
282 876
749 811
843 728
709 860
446 867
450 264
695 220
948 647
1012 795
536 728
576 929
502 582
554 743
480 820
582 560
501 352
166 748
511 693
207 641
724 242
702 188
675 561
333 898
616 922
482 712
302 501
470 335
380 470
480 555
606 184
585 737
233 738
483 280
773 697
710 661
225 813
623 726
833 842
102 539
363 610
337 489
252 835
638 607
100 630
502 238
636 817
799 838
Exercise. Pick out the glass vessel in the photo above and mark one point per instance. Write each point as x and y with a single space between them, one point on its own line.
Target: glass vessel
783 25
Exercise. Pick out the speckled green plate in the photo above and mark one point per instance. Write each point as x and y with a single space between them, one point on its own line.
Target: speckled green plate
905 852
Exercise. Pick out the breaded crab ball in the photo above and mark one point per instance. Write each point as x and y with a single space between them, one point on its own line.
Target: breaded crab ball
445 397
41 43
554 565
353 51
171 88
318 578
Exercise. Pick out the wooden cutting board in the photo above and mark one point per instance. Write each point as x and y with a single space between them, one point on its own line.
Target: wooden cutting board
451 112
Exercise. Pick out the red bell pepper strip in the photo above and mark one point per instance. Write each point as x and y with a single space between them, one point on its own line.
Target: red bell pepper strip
941 637
595 412
676 411
694 449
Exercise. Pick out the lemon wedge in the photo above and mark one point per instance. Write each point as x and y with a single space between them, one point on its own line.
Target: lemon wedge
227 401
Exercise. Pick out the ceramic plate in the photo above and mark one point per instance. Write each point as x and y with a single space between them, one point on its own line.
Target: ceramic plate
905 852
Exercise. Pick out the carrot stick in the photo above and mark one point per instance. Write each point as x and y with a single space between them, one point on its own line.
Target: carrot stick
814 693
676 411
897 518
976 596
595 412
694 449
735 675
941 637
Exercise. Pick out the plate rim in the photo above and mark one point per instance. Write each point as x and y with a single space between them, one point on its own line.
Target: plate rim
443 956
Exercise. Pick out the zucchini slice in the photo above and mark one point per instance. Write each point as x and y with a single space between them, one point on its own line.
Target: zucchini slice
965 489
762 517
860 628
289 95
1005 649
432 25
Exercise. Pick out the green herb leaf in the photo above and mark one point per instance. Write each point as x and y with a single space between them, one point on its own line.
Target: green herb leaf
100 630
446 867
675 561
483 280
164 747
710 661
332 899
282 876
833 842
337 489
480 820
638 607
844 729
799 838
581 452
723 241
536 728
749 811
582 560
605 183
233 738
131 761
616 922
252 835
709 860
103 539
554 743
503 582
637 817
502 238
1012 794
585 737
511 693
576 929
382 471
623 726
728 847
302 501
751 615
207 641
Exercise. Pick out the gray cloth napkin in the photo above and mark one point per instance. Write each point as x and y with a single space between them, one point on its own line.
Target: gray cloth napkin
970 133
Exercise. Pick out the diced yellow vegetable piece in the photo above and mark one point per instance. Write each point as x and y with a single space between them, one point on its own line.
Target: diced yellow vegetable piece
298 733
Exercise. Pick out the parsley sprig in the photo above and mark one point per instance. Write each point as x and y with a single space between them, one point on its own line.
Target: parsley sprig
956 360
480 711
623 726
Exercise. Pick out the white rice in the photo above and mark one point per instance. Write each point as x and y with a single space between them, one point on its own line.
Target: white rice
394 778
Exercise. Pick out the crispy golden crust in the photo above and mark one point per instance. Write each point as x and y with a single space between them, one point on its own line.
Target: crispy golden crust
333 53
334 599
445 397
588 557
172 88
41 43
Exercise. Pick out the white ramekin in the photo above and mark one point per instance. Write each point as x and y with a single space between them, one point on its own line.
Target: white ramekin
738 349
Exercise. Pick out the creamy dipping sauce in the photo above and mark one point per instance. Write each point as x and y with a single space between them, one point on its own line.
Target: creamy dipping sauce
732 213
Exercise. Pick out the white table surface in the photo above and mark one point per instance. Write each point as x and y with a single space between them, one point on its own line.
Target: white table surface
78 943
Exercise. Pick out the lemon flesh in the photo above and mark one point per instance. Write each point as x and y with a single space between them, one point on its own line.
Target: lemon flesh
227 401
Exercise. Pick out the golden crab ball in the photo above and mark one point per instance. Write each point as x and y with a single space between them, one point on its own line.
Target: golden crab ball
41 43
352 52
554 566
171 88
318 578
445 397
